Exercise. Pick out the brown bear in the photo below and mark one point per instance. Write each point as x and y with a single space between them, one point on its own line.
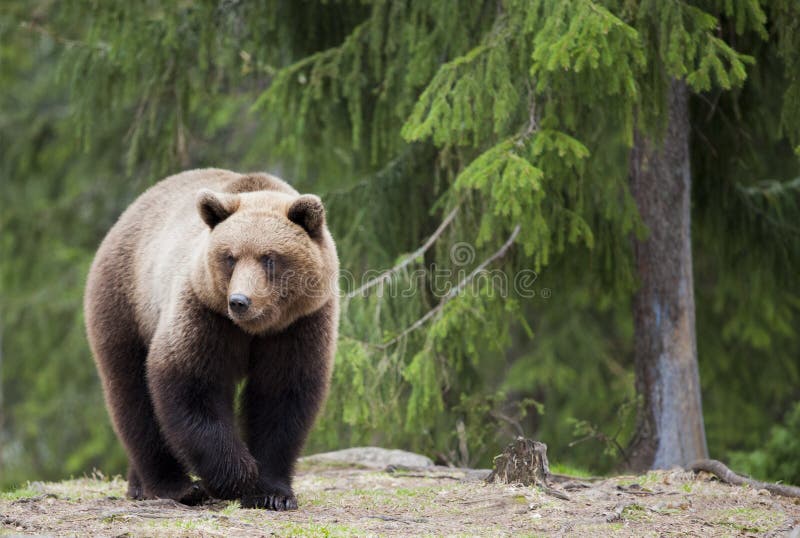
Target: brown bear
208 278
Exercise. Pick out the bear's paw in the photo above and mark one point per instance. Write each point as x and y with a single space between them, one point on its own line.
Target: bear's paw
273 497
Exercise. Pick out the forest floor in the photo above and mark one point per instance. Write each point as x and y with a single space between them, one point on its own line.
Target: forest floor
433 501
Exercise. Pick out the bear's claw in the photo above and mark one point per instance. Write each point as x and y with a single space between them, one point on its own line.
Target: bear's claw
278 501
135 492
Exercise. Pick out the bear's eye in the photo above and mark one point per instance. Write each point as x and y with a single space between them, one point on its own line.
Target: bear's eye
268 262
230 261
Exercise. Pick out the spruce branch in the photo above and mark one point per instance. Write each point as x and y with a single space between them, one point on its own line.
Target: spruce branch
321 65
455 291
384 276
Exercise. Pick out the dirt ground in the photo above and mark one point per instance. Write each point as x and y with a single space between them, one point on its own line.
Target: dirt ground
337 501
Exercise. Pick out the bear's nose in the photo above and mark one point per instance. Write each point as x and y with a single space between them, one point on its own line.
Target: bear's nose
239 303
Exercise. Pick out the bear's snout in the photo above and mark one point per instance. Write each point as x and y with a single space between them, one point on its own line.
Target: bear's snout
239 303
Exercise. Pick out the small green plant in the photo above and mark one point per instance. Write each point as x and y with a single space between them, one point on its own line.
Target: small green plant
566 469
750 520
24 492
635 512
232 507
316 530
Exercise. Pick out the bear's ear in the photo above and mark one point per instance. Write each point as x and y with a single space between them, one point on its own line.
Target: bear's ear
214 207
308 212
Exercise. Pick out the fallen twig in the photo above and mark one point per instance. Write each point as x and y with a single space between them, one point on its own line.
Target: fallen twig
559 478
636 489
36 499
574 485
554 492
721 471
406 474
616 514
406 520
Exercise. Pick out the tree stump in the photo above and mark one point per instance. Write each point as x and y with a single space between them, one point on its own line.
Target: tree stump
524 462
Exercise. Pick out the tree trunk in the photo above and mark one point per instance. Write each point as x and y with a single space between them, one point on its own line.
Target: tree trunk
670 427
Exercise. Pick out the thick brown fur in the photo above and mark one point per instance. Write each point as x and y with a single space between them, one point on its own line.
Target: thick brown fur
170 347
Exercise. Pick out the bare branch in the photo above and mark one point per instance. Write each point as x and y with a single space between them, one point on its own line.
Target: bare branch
37 28
533 124
455 291
514 423
386 275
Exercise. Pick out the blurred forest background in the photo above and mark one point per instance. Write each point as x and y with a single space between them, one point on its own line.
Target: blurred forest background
482 115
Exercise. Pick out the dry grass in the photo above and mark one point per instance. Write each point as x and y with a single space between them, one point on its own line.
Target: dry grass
358 502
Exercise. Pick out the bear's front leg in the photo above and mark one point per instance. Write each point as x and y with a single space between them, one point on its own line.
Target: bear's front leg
287 383
191 373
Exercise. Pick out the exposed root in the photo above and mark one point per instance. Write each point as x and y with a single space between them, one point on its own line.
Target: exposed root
721 471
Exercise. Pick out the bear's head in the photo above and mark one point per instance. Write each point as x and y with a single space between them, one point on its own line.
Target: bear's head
269 259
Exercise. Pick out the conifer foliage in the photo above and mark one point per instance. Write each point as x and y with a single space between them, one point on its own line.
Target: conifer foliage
478 152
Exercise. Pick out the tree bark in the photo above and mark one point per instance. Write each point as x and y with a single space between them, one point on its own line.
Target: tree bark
670 428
